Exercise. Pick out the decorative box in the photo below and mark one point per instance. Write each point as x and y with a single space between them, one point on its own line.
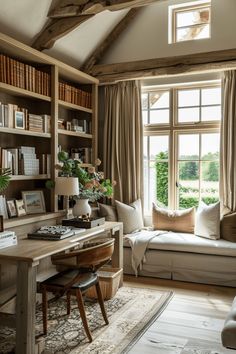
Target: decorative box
83 223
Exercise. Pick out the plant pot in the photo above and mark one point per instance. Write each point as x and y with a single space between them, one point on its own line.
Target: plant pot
82 207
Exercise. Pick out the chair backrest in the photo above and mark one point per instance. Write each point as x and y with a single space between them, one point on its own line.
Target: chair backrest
93 255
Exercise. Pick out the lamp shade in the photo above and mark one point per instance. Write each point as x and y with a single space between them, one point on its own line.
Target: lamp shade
67 186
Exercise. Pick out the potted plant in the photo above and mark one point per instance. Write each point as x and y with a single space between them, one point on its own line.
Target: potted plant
92 185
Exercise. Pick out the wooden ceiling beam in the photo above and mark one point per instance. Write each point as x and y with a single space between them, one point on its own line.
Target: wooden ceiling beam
178 65
110 39
57 28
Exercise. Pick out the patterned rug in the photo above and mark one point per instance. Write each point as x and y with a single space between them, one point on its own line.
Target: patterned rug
130 313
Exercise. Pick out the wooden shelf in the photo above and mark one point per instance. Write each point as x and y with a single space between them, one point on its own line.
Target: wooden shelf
77 134
25 178
24 132
17 91
29 219
74 107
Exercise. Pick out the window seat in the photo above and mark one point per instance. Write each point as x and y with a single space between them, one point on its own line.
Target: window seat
186 257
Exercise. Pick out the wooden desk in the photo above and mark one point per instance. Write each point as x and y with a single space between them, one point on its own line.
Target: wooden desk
27 255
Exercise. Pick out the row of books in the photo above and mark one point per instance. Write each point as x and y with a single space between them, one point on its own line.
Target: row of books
16 73
24 161
74 95
13 116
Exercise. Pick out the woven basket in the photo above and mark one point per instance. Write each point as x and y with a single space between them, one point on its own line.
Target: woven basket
109 279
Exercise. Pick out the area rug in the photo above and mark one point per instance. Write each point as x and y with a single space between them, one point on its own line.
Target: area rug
130 313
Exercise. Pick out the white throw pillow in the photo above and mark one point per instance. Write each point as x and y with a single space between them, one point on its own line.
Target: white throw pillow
131 215
207 222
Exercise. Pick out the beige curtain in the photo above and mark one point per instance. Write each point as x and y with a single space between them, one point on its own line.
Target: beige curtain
123 140
228 143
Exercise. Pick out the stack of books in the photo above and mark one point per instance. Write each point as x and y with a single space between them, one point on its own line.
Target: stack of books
29 161
55 233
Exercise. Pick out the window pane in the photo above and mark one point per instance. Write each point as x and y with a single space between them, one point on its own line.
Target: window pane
159 116
190 33
159 147
145 173
188 190
186 115
189 147
145 117
159 99
210 182
144 97
211 113
195 17
161 170
187 98
211 96
210 146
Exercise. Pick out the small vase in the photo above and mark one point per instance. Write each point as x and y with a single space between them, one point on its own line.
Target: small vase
82 207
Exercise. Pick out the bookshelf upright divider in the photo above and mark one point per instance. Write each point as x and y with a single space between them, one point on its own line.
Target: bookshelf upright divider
42 96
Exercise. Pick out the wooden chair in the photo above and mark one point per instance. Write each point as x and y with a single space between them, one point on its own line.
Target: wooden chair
80 274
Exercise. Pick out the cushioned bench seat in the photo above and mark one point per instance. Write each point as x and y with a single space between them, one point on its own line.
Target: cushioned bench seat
187 257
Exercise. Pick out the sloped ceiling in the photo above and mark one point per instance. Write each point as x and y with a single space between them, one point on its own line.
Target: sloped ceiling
145 38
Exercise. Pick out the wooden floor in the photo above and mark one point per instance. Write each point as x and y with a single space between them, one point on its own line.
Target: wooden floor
192 321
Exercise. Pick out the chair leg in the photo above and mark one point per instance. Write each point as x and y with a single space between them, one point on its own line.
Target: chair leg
68 302
101 302
45 310
80 302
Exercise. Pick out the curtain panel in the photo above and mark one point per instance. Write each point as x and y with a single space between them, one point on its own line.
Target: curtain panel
228 144
123 140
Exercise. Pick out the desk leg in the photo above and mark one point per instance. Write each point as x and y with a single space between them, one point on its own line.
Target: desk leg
25 308
117 257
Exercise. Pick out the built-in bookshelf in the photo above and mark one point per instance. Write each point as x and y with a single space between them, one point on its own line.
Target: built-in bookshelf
45 105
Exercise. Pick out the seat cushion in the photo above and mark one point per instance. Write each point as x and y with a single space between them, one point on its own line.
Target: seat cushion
184 242
86 280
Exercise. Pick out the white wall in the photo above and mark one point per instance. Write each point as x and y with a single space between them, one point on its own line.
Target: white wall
147 35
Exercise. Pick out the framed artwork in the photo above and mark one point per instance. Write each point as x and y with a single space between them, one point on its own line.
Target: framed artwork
19 120
1 224
3 207
11 208
33 201
68 125
20 207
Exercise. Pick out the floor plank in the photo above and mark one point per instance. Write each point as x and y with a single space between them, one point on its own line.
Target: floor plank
192 321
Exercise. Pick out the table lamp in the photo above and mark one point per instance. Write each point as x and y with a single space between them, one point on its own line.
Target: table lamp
67 186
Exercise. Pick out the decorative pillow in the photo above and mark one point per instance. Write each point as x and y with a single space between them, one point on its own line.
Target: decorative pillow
228 227
131 215
173 220
108 212
208 221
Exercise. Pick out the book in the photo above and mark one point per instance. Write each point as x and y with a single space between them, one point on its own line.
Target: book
55 232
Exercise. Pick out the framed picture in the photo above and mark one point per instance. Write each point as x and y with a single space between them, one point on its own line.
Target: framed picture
19 120
11 208
68 125
33 201
3 207
20 207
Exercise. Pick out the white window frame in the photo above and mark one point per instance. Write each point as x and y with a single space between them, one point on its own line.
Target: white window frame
173 129
174 10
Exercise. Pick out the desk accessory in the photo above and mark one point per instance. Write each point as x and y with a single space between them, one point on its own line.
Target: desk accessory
83 221
67 186
7 239
54 233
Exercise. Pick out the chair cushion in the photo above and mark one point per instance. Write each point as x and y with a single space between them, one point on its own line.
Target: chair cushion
86 280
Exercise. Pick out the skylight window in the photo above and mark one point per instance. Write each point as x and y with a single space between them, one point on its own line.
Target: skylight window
190 21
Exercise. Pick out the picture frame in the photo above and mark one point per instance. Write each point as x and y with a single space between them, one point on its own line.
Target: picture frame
20 207
68 125
19 122
1 224
3 207
33 201
11 208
